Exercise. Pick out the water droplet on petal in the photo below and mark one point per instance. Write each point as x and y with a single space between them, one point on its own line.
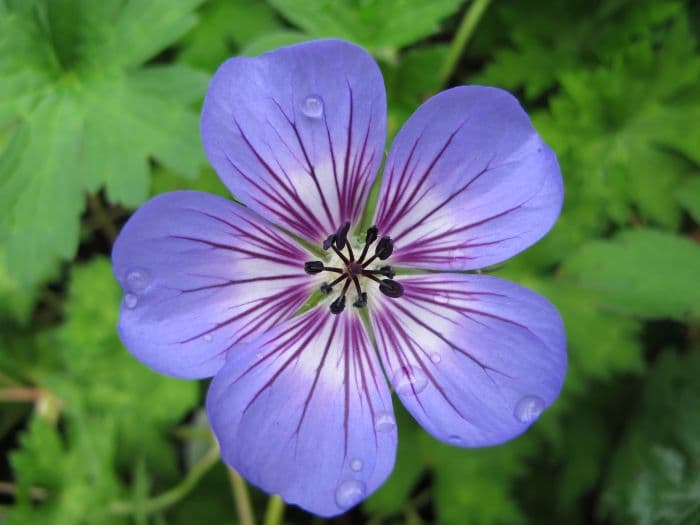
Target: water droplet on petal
409 380
349 493
131 300
528 409
435 358
454 439
207 338
384 422
136 280
356 464
312 106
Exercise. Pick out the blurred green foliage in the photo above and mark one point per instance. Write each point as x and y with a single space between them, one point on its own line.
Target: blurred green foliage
98 111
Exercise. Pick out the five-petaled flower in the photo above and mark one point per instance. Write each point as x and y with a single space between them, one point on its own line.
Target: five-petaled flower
299 402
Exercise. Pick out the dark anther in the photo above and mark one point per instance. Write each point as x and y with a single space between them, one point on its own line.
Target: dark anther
391 288
386 271
361 300
354 270
384 249
338 305
372 234
313 267
329 242
341 236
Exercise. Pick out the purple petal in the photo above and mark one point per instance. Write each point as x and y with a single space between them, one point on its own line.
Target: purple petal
298 133
305 412
200 275
474 358
468 182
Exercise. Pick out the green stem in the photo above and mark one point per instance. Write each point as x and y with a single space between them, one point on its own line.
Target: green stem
274 511
466 29
175 494
241 498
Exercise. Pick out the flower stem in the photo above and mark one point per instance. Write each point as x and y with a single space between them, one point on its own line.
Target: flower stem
274 511
175 494
466 29
241 498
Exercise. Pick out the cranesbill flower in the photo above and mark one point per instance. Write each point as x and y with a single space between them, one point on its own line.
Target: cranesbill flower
299 402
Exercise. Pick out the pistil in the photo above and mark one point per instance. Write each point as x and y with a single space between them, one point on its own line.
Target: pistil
356 268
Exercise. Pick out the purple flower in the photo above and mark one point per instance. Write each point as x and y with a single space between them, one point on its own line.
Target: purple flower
299 403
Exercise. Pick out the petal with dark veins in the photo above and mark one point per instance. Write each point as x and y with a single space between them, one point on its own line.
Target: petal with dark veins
474 358
305 412
202 274
298 133
468 182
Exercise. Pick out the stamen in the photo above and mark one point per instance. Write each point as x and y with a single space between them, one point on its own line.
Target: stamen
341 236
384 249
338 305
386 271
361 301
361 296
370 237
391 288
372 234
313 267
329 241
354 269
327 287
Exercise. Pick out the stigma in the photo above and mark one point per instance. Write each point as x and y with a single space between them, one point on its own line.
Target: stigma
354 270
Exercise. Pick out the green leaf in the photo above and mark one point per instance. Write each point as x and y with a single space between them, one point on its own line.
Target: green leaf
600 343
225 27
75 475
39 189
647 273
623 133
473 486
273 40
688 196
381 26
547 40
165 180
97 375
654 477
407 84
80 114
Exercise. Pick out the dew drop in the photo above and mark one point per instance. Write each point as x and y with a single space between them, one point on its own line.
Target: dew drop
349 493
528 409
356 464
131 300
454 439
409 380
435 358
207 338
384 422
312 106
136 280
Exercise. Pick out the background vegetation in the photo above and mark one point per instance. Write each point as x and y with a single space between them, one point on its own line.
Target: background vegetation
99 106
